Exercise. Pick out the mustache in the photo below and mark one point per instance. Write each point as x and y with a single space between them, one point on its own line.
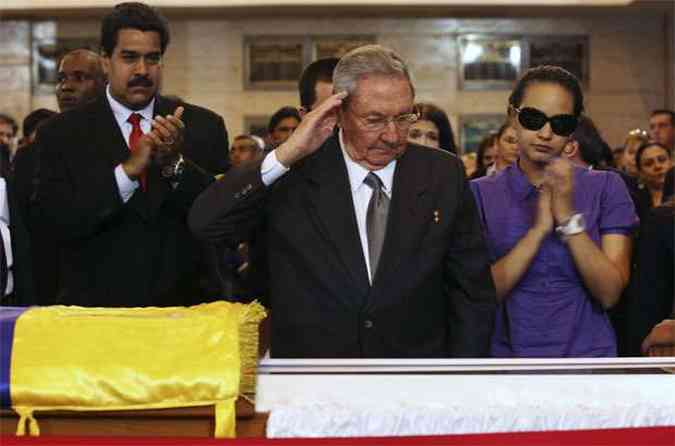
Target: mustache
140 81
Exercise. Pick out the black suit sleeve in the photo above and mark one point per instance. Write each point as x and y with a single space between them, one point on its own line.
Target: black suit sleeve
78 196
206 140
231 208
469 282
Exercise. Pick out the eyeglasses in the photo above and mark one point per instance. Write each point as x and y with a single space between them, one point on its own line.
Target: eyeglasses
533 119
377 124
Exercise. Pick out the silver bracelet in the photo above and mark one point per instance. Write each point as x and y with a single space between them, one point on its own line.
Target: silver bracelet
574 225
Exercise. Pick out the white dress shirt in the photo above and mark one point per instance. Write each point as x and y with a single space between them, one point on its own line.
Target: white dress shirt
6 236
271 170
126 185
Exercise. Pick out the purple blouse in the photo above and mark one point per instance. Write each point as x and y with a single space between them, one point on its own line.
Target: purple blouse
550 313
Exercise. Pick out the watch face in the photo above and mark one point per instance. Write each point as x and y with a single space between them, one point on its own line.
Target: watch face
167 171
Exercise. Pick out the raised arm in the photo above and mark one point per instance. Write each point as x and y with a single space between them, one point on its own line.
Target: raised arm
604 269
509 269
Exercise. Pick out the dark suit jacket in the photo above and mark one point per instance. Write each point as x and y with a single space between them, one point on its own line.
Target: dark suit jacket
433 295
124 254
22 273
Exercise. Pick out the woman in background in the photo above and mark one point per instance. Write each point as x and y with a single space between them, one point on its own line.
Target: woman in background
634 140
654 300
507 148
432 129
653 162
487 150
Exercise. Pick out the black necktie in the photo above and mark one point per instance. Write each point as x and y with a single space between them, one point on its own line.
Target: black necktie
376 221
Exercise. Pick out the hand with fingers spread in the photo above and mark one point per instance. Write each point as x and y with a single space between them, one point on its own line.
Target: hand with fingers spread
314 129
168 134
559 177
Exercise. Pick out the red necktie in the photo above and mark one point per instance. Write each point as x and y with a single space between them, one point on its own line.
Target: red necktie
136 133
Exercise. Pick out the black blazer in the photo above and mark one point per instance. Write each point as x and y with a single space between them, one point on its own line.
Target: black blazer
22 272
124 254
433 295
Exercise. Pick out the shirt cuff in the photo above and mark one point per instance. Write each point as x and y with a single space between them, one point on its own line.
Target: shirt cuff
271 169
125 185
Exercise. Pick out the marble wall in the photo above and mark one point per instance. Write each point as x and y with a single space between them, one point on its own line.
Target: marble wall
629 57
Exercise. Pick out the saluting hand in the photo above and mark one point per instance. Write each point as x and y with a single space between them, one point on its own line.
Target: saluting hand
314 129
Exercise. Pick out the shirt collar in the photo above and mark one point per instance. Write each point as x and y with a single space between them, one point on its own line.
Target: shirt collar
357 173
122 112
518 182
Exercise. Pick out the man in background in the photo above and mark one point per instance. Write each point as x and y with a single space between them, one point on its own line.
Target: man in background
661 128
8 131
282 125
316 83
244 148
80 78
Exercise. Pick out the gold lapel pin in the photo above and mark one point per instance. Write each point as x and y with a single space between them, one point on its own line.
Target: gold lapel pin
437 216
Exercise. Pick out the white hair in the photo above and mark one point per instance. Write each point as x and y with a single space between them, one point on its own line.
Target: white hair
365 60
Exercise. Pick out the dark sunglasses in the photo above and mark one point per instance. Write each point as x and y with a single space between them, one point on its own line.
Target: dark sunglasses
533 119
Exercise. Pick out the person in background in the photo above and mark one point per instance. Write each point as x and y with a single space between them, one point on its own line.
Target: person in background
653 161
661 123
654 299
8 132
282 125
485 156
559 234
635 139
507 148
44 250
79 79
316 84
469 162
432 128
586 146
16 274
31 123
617 157
244 149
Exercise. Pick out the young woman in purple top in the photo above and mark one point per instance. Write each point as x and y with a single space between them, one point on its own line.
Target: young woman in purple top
559 234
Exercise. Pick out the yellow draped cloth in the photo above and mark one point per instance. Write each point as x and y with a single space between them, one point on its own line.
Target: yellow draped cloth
95 359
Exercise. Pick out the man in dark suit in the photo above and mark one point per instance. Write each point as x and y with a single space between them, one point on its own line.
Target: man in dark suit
119 174
373 246
16 280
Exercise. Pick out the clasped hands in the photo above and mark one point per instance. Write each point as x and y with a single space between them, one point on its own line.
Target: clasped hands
556 196
159 147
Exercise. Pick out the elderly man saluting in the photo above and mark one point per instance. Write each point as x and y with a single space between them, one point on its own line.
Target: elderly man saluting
373 245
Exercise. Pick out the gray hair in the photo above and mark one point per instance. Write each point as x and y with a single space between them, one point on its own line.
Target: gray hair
368 59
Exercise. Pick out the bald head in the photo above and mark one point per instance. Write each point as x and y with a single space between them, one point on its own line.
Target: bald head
80 78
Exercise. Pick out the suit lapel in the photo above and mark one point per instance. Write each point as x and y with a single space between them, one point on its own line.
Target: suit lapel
404 226
332 205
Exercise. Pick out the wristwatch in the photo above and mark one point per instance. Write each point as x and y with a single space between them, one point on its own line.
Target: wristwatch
175 170
576 224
